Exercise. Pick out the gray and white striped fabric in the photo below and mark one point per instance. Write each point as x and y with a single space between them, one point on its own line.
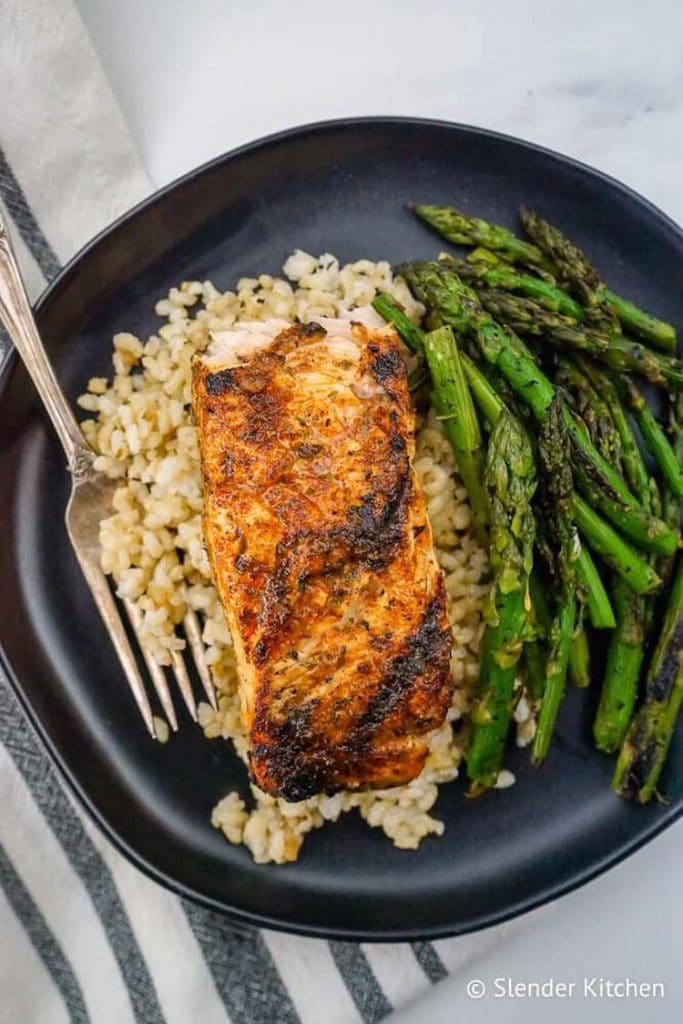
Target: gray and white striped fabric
83 935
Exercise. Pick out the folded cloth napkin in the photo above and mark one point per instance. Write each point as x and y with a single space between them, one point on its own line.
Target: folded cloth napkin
84 935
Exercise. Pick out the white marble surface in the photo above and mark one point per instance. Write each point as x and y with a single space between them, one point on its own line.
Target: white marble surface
601 80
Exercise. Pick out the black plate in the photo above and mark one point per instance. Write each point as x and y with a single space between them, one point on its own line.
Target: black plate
340 187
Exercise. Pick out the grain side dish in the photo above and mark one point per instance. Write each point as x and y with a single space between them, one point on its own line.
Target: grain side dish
152 544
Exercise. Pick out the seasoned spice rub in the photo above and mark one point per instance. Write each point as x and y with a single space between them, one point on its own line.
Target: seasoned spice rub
321 551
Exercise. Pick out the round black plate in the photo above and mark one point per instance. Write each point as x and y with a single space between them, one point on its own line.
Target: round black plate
340 187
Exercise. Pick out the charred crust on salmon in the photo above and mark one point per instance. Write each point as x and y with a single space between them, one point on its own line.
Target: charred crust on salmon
374 528
426 651
385 364
218 383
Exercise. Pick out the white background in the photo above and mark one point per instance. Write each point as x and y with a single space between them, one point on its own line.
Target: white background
601 81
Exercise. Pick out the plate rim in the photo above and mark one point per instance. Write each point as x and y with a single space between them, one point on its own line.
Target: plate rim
550 893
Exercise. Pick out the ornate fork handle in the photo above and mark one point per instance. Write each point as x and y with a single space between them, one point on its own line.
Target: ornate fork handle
17 318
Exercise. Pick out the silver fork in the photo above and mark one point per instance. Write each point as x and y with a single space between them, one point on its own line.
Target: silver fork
89 503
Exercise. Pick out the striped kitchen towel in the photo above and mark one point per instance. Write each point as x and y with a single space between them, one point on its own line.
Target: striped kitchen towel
83 935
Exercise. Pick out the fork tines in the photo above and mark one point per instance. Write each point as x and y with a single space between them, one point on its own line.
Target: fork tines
178 669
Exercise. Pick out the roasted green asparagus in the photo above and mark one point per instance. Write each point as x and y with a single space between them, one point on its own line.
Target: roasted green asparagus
510 480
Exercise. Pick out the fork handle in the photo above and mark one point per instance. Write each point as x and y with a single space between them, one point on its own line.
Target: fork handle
17 318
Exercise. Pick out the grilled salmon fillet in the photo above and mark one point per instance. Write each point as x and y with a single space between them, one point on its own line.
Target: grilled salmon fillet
321 551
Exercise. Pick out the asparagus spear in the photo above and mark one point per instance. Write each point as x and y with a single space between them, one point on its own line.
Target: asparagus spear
640 525
510 279
553 450
635 469
554 438
615 499
647 742
453 403
645 325
464 230
622 671
615 552
579 656
393 312
655 439
491 407
510 480
616 351
535 652
575 268
457 227
556 675
457 304
490 390
535 659
484 393
637 475
591 407
571 266
671 504
597 600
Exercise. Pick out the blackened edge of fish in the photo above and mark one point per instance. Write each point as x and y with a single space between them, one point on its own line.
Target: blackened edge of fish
300 766
220 382
428 648
297 763
375 528
385 365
